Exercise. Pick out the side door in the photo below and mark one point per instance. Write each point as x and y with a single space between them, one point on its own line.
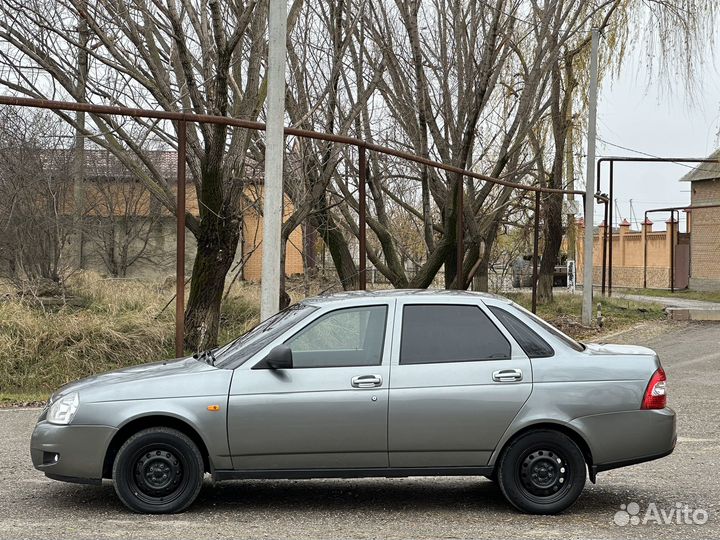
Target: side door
330 410
457 381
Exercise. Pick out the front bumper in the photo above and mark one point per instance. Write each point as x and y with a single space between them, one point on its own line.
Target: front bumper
70 453
629 437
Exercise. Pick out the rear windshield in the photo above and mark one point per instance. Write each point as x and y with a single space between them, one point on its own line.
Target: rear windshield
570 342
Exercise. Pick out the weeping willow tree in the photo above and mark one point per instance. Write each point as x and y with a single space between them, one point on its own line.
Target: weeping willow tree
675 39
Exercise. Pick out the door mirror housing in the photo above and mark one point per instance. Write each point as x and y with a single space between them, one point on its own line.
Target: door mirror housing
279 357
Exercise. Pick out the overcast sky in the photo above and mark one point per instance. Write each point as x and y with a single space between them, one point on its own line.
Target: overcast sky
641 116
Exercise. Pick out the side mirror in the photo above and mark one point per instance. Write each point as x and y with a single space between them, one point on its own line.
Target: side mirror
279 357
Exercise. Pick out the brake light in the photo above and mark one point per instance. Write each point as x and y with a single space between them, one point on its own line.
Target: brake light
656 391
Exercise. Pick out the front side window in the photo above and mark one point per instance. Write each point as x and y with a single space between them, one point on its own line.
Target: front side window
434 333
346 337
240 350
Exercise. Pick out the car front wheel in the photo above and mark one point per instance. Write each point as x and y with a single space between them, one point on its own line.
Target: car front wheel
542 472
158 471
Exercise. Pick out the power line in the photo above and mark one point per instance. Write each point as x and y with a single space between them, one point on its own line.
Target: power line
647 154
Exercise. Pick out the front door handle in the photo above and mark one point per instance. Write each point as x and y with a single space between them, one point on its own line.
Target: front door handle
507 375
366 381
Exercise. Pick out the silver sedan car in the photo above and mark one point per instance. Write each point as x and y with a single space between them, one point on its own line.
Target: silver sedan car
384 384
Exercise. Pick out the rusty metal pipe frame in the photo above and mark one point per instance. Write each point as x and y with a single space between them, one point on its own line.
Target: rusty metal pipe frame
604 200
610 224
180 251
259 126
672 250
183 118
627 159
536 248
460 234
362 233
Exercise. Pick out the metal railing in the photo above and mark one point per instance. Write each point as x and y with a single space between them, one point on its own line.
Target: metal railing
182 118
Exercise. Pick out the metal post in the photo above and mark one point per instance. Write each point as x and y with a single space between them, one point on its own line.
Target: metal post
590 185
645 243
610 214
274 151
460 255
362 202
180 249
672 250
604 249
536 247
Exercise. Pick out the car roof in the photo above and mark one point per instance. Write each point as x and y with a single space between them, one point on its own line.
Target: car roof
396 293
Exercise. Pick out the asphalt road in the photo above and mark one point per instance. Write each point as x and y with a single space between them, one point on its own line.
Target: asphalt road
34 507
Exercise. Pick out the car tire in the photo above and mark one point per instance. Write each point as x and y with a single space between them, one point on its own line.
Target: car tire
542 472
158 471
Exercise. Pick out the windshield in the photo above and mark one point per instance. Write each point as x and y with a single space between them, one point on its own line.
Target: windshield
570 342
238 351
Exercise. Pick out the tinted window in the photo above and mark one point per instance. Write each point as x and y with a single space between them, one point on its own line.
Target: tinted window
570 342
346 337
533 345
445 333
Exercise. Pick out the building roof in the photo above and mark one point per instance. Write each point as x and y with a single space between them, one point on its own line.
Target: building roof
705 171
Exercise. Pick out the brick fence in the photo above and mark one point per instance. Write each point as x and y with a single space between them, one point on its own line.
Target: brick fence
629 255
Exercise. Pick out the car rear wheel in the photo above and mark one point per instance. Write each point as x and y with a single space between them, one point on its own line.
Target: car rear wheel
542 472
158 471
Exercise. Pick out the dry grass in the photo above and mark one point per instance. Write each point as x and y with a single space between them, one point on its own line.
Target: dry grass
111 324
120 324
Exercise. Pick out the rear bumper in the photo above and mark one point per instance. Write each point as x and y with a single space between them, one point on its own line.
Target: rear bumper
628 437
70 453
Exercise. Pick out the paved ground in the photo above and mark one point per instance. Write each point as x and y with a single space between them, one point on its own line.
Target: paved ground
669 301
33 507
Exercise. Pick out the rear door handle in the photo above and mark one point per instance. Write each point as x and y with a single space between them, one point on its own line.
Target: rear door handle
366 381
507 375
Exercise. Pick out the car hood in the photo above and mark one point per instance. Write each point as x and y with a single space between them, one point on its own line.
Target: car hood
614 349
155 374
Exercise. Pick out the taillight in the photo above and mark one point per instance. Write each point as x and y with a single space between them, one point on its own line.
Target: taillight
656 391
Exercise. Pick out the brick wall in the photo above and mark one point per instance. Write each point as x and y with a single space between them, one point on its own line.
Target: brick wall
705 245
158 260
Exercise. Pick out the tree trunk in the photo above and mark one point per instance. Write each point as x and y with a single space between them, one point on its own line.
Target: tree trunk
215 253
339 250
553 239
552 211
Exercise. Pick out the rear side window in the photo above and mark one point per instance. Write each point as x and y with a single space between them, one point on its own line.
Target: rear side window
533 345
433 333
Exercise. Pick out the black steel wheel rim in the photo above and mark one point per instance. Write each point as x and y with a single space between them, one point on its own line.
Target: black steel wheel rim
158 474
544 474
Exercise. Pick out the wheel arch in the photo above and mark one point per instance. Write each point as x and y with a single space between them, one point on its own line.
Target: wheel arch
565 429
148 421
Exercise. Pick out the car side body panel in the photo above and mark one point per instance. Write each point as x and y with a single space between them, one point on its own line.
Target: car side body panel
439 418
597 394
451 414
311 418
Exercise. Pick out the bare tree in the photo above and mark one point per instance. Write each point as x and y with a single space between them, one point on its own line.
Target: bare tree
35 197
204 57
119 219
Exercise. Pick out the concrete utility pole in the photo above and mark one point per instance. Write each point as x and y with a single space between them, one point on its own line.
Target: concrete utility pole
590 186
274 152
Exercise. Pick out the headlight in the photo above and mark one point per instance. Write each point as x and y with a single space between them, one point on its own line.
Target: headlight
63 410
